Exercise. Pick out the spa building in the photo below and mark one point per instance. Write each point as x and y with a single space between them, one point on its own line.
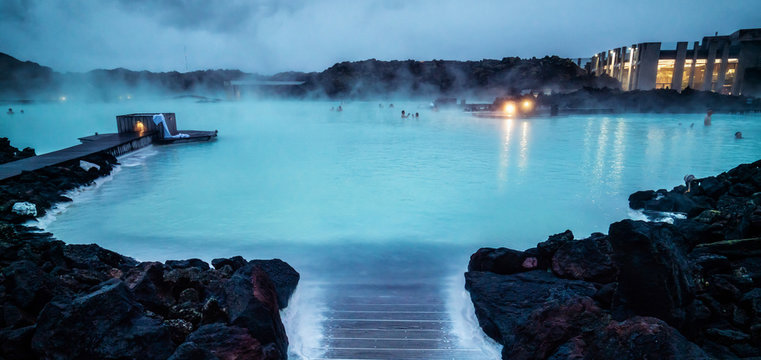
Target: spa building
729 64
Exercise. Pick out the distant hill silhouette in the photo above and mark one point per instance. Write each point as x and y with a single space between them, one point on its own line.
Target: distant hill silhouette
24 78
29 80
361 79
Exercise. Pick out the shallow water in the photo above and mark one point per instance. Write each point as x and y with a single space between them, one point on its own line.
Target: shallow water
365 196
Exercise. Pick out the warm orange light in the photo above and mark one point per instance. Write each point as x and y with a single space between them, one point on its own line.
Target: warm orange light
139 127
510 108
528 105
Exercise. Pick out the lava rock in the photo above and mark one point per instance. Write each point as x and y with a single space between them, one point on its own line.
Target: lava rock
642 338
638 199
499 261
28 286
235 262
726 336
16 343
222 342
652 263
146 281
587 259
107 323
189 263
95 257
251 303
283 276
546 249
516 310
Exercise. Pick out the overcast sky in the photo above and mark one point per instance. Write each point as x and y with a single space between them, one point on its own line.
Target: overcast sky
269 36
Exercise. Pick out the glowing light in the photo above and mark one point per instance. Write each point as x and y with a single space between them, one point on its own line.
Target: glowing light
62 98
139 127
129 97
527 105
510 108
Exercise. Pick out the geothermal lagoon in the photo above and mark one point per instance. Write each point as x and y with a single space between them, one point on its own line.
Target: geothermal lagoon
367 205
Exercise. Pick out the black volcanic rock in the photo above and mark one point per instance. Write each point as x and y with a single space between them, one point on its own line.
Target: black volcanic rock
284 278
251 302
219 341
687 290
648 101
107 323
60 301
500 261
652 262
546 250
586 259
9 153
643 338
508 307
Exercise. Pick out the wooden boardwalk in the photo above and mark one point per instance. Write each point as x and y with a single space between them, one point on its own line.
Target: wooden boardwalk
389 321
114 143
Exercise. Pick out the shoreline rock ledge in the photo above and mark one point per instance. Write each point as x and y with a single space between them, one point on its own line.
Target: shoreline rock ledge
690 289
60 301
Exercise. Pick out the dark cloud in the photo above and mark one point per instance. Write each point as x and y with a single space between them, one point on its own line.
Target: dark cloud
269 36
15 10
216 16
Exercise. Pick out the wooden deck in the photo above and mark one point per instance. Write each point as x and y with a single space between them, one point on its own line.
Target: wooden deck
389 321
194 136
116 144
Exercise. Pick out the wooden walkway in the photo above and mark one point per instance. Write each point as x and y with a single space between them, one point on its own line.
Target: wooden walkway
114 144
90 145
389 321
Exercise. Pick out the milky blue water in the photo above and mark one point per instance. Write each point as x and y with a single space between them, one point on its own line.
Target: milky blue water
364 194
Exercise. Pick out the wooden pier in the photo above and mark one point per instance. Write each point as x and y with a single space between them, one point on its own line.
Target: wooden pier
114 144
135 131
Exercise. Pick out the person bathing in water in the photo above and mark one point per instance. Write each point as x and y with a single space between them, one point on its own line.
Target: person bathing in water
707 120
404 116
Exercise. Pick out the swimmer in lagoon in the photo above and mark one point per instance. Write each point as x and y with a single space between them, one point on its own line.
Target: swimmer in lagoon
339 109
738 135
707 120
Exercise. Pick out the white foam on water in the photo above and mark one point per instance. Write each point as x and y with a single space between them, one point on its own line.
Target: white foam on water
464 322
302 320
637 215
660 216
138 157
87 192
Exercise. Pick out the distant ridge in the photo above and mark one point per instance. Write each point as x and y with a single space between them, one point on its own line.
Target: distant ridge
360 80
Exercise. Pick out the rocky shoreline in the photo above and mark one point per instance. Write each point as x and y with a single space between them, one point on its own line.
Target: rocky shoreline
687 290
62 301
